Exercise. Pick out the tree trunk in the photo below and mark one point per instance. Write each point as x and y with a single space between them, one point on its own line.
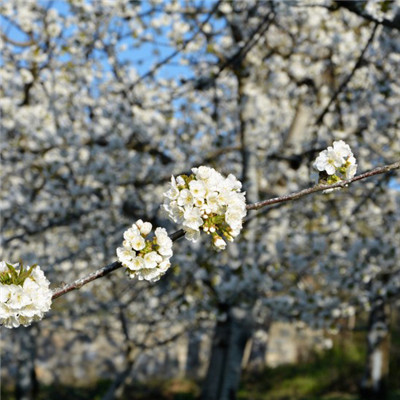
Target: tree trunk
229 342
26 385
193 361
116 389
374 385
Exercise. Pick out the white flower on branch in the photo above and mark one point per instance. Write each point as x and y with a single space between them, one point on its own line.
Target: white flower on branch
146 259
206 201
24 294
336 163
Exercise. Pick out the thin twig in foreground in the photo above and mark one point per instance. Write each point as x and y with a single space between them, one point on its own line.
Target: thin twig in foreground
83 281
320 188
256 206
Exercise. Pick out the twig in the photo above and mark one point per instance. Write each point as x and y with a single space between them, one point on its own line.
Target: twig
319 188
164 61
256 206
343 85
89 278
15 42
253 39
353 7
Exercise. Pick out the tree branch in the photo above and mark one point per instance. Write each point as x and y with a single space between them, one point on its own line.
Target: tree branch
185 43
353 6
89 278
15 42
343 85
320 188
256 206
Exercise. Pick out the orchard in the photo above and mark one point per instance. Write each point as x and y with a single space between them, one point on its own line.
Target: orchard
178 175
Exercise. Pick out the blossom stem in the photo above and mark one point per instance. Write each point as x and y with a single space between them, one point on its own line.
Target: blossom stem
320 188
256 206
83 281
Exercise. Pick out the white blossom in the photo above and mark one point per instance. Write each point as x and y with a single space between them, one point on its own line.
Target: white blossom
219 243
145 228
206 201
342 148
138 243
337 162
185 198
136 264
328 160
351 170
193 218
26 301
144 258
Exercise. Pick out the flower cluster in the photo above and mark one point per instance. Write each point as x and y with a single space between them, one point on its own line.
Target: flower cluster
144 258
24 294
336 163
207 201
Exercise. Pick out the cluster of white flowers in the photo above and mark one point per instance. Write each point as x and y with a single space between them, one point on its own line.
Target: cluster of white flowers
336 163
24 295
208 201
144 258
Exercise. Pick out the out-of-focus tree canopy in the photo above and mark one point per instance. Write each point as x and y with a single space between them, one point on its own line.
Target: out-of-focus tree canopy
102 101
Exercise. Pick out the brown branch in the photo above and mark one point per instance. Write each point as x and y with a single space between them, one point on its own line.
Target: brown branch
86 279
185 43
100 272
343 85
256 206
253 39
354 7
319 188
15 42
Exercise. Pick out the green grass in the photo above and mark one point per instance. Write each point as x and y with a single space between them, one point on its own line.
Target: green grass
333 375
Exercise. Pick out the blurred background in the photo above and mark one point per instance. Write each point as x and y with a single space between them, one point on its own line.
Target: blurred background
102 101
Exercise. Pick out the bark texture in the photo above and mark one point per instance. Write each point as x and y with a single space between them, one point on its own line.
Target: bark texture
229 341
374 383
26 383
193 361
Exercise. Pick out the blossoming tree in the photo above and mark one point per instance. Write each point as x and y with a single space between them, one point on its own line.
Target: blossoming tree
92 139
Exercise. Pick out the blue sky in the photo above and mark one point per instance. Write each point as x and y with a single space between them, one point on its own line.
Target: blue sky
142 58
